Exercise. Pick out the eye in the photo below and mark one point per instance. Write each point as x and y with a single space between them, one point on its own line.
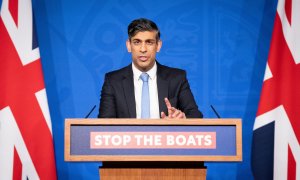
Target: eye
150 43
136 42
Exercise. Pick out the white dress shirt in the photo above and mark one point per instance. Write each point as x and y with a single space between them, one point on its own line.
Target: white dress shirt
153 94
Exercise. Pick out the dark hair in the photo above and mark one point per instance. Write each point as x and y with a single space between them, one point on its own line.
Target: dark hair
141 25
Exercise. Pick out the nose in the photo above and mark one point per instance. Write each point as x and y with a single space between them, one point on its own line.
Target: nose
143 47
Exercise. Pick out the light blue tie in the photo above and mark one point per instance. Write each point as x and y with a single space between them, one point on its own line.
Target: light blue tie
145 97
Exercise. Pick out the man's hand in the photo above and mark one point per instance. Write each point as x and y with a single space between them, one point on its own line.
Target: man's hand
173 113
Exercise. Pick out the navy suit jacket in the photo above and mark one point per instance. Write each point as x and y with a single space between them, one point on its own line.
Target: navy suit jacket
118 99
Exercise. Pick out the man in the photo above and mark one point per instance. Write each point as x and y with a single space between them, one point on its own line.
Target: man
145 88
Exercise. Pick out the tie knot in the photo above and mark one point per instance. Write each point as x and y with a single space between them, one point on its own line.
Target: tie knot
144 77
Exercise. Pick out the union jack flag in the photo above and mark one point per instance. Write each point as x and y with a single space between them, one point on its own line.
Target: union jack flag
275 146
26 146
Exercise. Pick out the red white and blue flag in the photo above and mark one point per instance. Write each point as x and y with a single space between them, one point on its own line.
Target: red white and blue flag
26 143
276 135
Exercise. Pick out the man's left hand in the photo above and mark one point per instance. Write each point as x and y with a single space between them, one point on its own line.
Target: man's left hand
173 113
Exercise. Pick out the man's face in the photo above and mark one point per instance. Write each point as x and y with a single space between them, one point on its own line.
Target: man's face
143 47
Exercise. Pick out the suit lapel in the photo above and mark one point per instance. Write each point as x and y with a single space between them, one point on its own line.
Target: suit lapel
128 87
162 87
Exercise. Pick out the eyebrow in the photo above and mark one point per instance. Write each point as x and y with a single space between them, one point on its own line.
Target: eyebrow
142 40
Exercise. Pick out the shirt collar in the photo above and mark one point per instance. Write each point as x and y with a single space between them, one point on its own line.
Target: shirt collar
137 73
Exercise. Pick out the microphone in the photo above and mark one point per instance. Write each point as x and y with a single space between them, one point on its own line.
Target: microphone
216 113
90 112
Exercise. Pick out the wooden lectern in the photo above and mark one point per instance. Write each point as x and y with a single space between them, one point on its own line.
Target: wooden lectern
135 149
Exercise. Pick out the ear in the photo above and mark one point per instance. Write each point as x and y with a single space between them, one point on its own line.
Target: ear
159 44
128 45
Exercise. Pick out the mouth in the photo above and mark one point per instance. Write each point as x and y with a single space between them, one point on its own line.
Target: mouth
143 58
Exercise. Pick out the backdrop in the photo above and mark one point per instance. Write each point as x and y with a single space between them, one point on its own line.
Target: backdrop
222 44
